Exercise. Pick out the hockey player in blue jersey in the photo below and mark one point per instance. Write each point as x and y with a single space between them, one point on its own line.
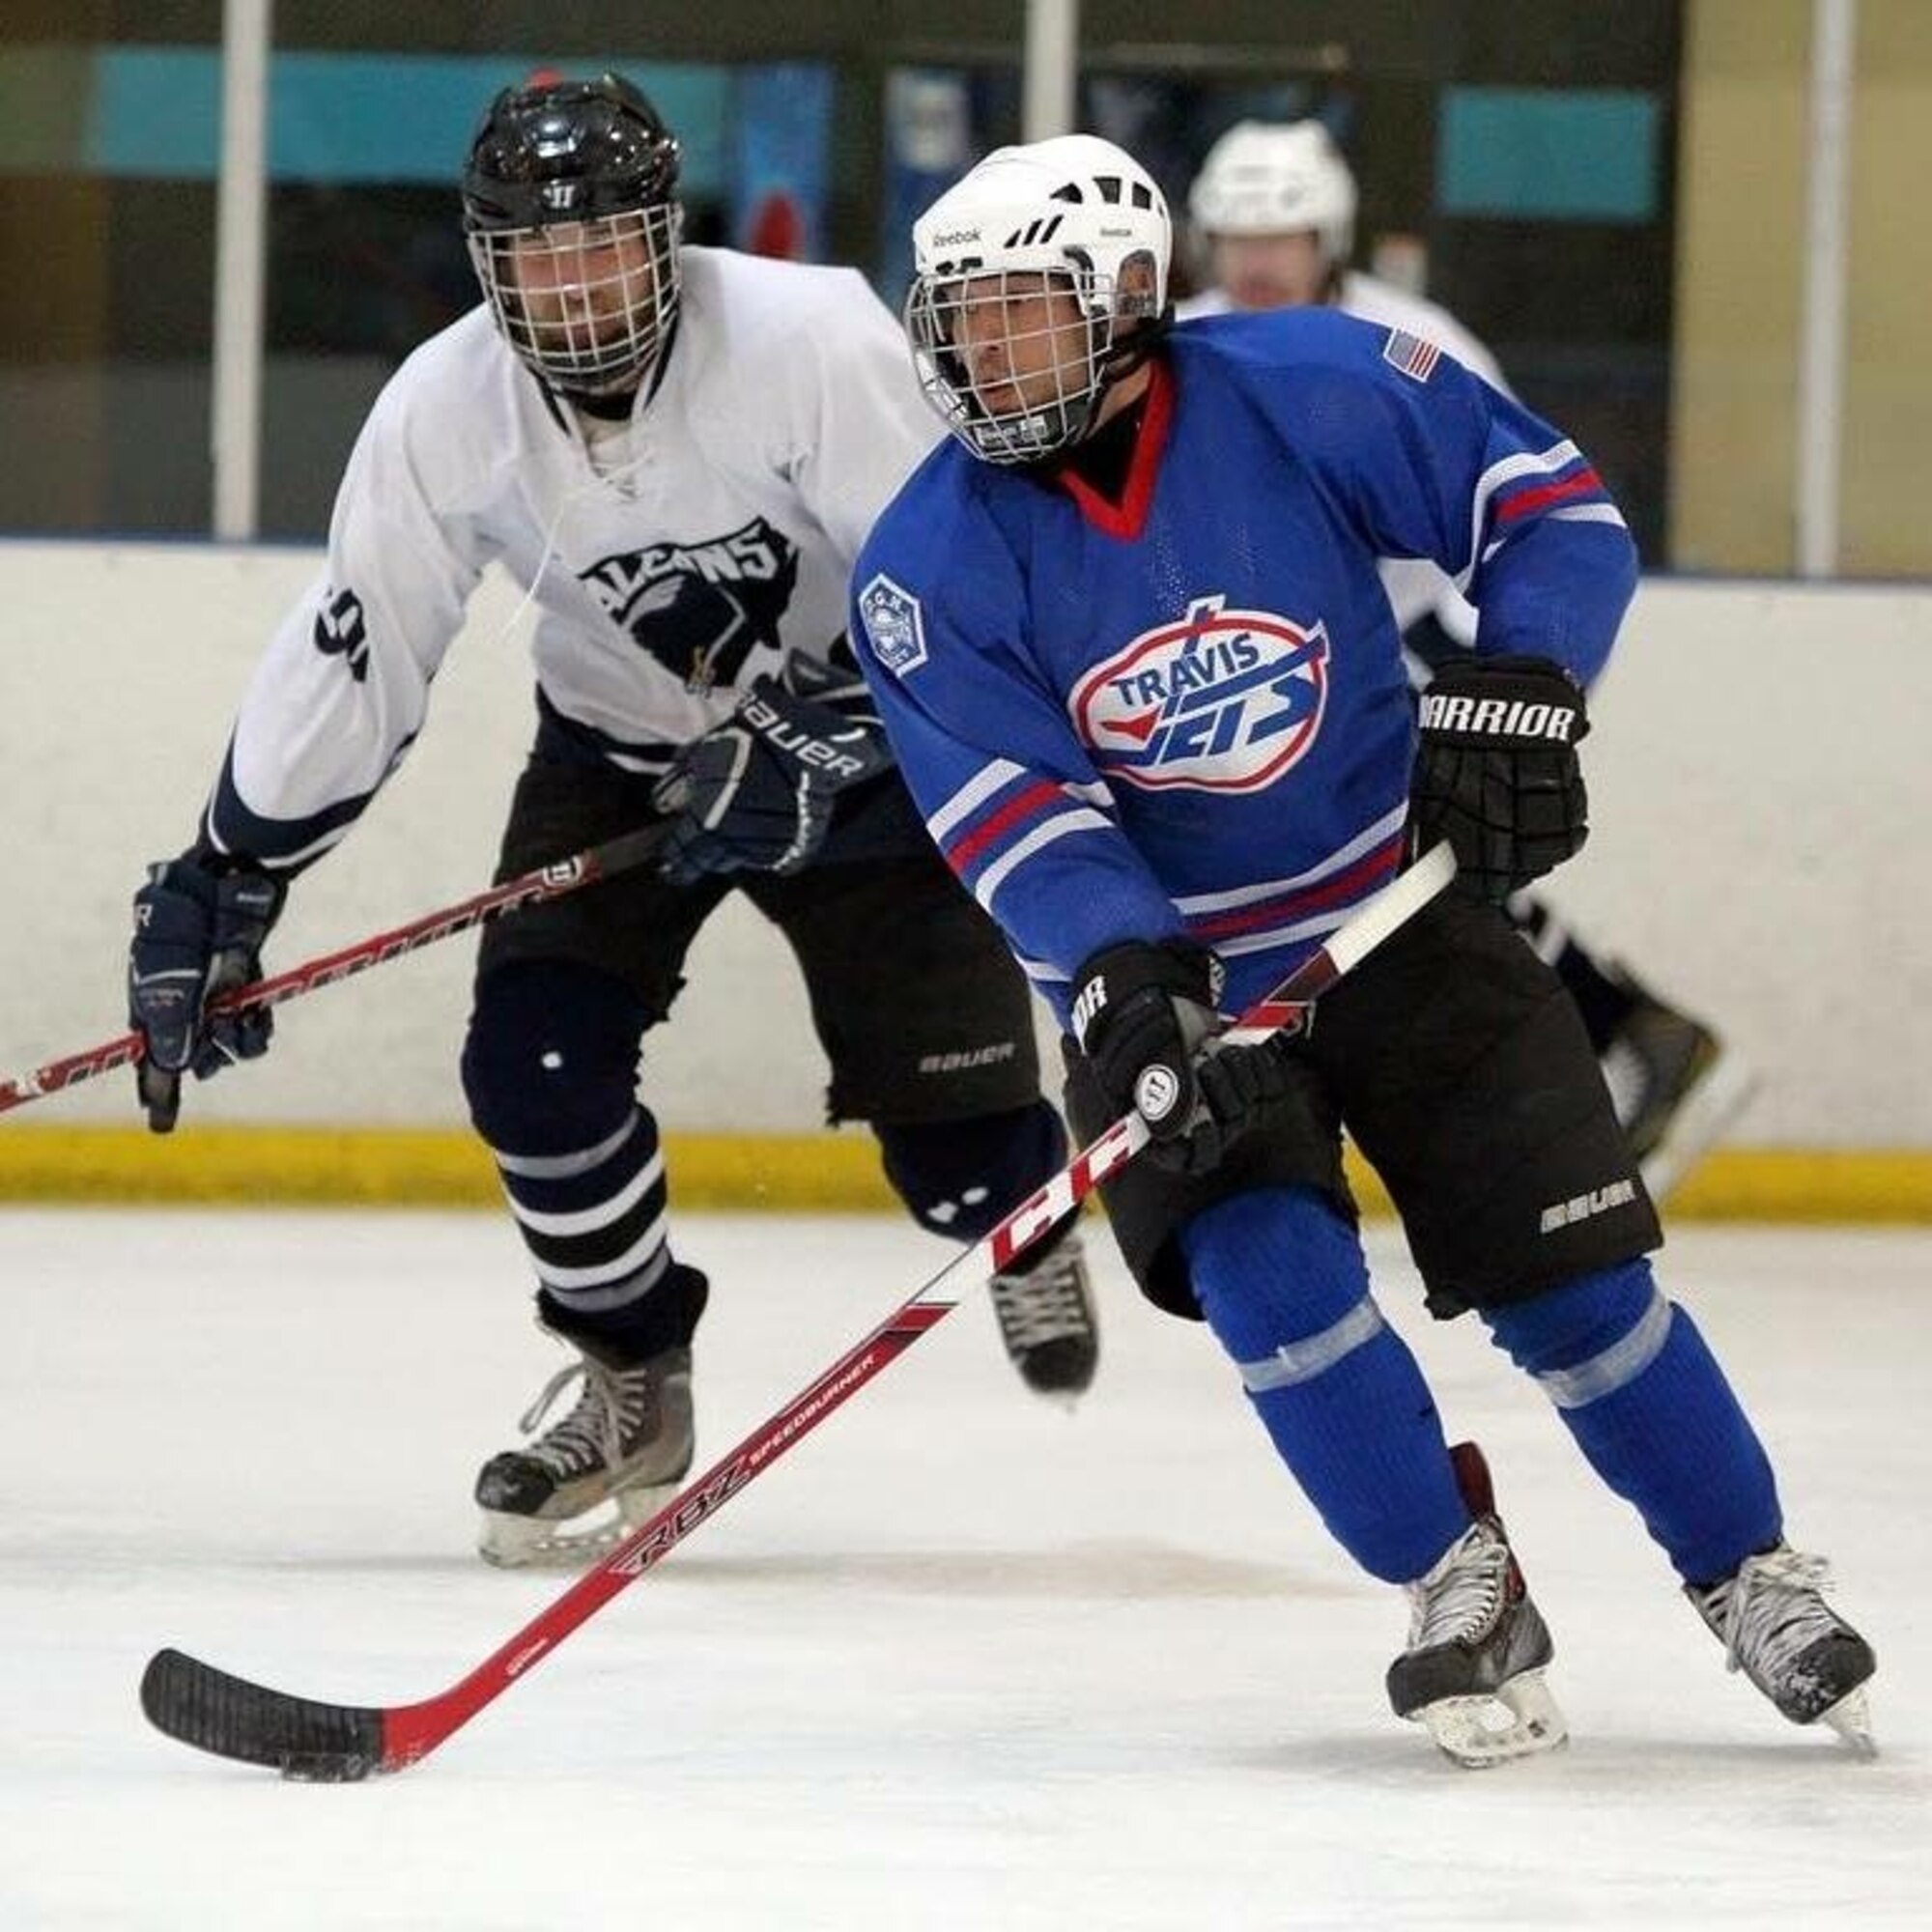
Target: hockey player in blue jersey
1273 212
1129 642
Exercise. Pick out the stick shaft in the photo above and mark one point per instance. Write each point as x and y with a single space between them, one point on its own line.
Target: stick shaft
546 882
207 1707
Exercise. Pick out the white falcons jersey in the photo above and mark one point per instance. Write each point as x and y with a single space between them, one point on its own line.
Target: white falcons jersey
671 559
1414 585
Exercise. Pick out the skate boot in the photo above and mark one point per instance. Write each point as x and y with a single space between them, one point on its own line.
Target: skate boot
1472 1674
1045 1310
1771 1616
1675 1086
626 1441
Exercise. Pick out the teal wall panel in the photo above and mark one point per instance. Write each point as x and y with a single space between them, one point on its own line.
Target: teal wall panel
1548 153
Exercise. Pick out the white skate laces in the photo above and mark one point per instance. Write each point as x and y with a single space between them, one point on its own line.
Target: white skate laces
1472 1673
626 1442
1776 1627
613 1403
1458 1600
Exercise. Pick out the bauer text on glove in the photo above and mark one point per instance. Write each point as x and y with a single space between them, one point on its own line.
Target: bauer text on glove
756 792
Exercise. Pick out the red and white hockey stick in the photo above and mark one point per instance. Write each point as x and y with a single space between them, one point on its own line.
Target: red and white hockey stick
304 1738
547 882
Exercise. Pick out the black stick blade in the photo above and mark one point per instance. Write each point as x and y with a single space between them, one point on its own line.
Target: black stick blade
194 1702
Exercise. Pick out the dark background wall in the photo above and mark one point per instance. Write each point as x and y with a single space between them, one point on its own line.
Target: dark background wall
109 332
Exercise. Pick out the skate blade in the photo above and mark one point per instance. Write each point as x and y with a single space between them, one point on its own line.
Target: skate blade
1065 1400
1709 1107
1518 1719
530 1542
1851 1718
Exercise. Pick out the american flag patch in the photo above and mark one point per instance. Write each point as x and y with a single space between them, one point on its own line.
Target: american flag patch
1411 353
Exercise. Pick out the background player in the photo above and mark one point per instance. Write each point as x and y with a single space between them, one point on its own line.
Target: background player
1273 214
1129 639
675 451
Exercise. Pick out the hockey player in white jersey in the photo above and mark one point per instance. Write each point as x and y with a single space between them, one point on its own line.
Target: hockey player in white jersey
1274 217
1130 640
677 451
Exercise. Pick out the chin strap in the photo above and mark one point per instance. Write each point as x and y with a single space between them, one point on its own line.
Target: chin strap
1130 352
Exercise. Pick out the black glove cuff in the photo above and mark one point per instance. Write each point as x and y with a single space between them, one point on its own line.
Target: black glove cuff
1508 702
1112 978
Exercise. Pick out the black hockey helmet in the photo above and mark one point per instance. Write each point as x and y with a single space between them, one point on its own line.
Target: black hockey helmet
570 207
557 150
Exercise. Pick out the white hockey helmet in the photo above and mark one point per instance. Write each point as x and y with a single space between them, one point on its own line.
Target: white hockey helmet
1073 215
1276 178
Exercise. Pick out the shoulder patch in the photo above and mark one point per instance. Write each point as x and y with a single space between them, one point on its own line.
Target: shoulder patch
894 626
1412 355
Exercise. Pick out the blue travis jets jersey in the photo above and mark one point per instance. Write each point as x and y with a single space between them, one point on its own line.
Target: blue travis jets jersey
1185 713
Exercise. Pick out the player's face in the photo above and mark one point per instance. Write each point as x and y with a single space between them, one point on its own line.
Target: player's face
1271 271
1023 340
579 285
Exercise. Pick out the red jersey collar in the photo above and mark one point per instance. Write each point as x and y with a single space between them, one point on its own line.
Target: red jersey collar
1126 518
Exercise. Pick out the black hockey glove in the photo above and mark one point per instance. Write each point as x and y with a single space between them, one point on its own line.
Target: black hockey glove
1145 1018
198 931
755 793
1496 772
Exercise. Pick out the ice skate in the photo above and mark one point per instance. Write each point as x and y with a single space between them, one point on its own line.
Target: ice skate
1776 1627
626 1442
1675 1086
1472 1674
1045 1310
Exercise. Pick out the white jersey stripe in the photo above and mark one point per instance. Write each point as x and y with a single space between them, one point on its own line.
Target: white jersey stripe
971 795
1548 461
1195 905
1060 826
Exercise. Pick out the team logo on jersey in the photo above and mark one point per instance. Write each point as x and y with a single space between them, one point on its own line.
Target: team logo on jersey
700 609
1224 700
341 632
893 624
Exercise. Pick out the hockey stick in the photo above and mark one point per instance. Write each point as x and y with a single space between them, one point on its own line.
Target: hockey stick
304 1738
547 882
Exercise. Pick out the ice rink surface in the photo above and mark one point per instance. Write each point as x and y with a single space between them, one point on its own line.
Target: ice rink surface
961 1660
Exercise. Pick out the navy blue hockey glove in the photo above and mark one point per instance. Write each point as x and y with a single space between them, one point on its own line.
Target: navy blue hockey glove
197 932
1145 1017
755 793
1497 770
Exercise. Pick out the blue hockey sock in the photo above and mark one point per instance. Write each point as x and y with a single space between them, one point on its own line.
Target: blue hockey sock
1638 1388
1281 1278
